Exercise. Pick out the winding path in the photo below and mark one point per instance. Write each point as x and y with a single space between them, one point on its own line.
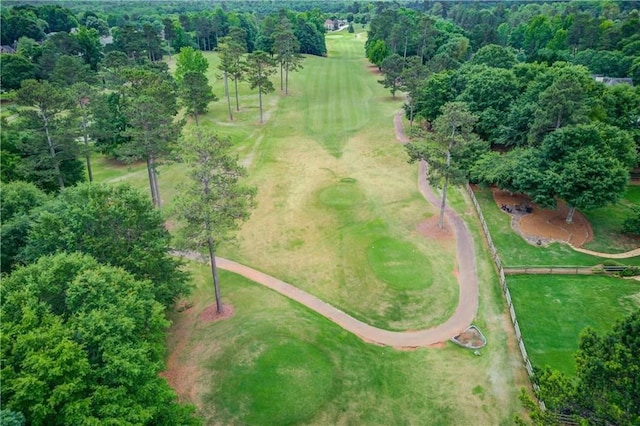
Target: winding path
632 253
467 281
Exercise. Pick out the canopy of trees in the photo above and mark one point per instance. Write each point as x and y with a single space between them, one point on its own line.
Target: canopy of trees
528 78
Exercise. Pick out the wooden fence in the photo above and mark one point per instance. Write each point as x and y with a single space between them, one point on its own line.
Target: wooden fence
556 270
505 290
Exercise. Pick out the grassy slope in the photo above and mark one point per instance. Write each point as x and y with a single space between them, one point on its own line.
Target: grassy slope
607 224
331 141
275 362
552 311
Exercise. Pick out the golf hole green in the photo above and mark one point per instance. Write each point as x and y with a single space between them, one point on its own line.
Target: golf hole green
287 382
400 264
343 195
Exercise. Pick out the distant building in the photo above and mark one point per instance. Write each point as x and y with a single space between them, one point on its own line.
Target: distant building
7 49
328 24
612 81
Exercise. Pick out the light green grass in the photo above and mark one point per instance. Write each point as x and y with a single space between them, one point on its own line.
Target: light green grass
607 223
515 251
274 362
552 311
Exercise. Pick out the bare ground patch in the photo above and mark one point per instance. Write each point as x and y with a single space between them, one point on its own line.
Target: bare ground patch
543 226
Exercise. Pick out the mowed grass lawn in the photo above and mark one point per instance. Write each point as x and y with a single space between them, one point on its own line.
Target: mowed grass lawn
607 223
553 310
274 362
338 205
515 251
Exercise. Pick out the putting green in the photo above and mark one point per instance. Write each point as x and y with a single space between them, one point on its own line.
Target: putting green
284 382
343 195
400 264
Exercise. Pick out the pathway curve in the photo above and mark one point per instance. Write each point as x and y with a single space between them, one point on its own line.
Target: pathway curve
632 253
467 280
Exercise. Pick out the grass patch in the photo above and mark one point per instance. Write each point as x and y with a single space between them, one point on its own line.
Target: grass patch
282 380
515 251
341 196
276 362
607 223
400 264
552 311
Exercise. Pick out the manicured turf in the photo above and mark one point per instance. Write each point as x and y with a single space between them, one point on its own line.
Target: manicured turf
400 264
274 362
553 310
329 190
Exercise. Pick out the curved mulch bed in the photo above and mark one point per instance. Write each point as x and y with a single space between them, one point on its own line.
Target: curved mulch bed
544 225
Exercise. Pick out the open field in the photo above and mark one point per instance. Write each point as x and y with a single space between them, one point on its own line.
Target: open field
553 309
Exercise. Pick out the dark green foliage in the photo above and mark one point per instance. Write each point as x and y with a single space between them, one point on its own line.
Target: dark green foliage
15 69
18 202
109 125
392 67
83 343
632 224
46 141
606 384
115 224
196 93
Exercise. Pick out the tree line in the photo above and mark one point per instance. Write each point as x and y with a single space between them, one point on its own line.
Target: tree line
549 130
87 275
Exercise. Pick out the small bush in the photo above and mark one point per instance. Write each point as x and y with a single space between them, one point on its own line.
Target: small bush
632 224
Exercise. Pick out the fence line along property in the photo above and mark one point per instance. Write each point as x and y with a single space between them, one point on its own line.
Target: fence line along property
505 289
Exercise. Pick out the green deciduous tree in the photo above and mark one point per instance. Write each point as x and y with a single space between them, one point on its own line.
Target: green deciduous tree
83 343
606 384
190 59
18 200
259 67
214 202
117 226
377 52
15 69
591 164
565 101
391 68
452 131
411 79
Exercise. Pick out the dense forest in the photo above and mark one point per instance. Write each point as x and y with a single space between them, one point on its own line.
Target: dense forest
539 96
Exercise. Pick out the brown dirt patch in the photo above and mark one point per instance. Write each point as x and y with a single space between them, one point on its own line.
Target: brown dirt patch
210 314
429 228
373 69
542 226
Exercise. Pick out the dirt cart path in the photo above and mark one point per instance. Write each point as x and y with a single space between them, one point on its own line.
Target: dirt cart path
456 324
